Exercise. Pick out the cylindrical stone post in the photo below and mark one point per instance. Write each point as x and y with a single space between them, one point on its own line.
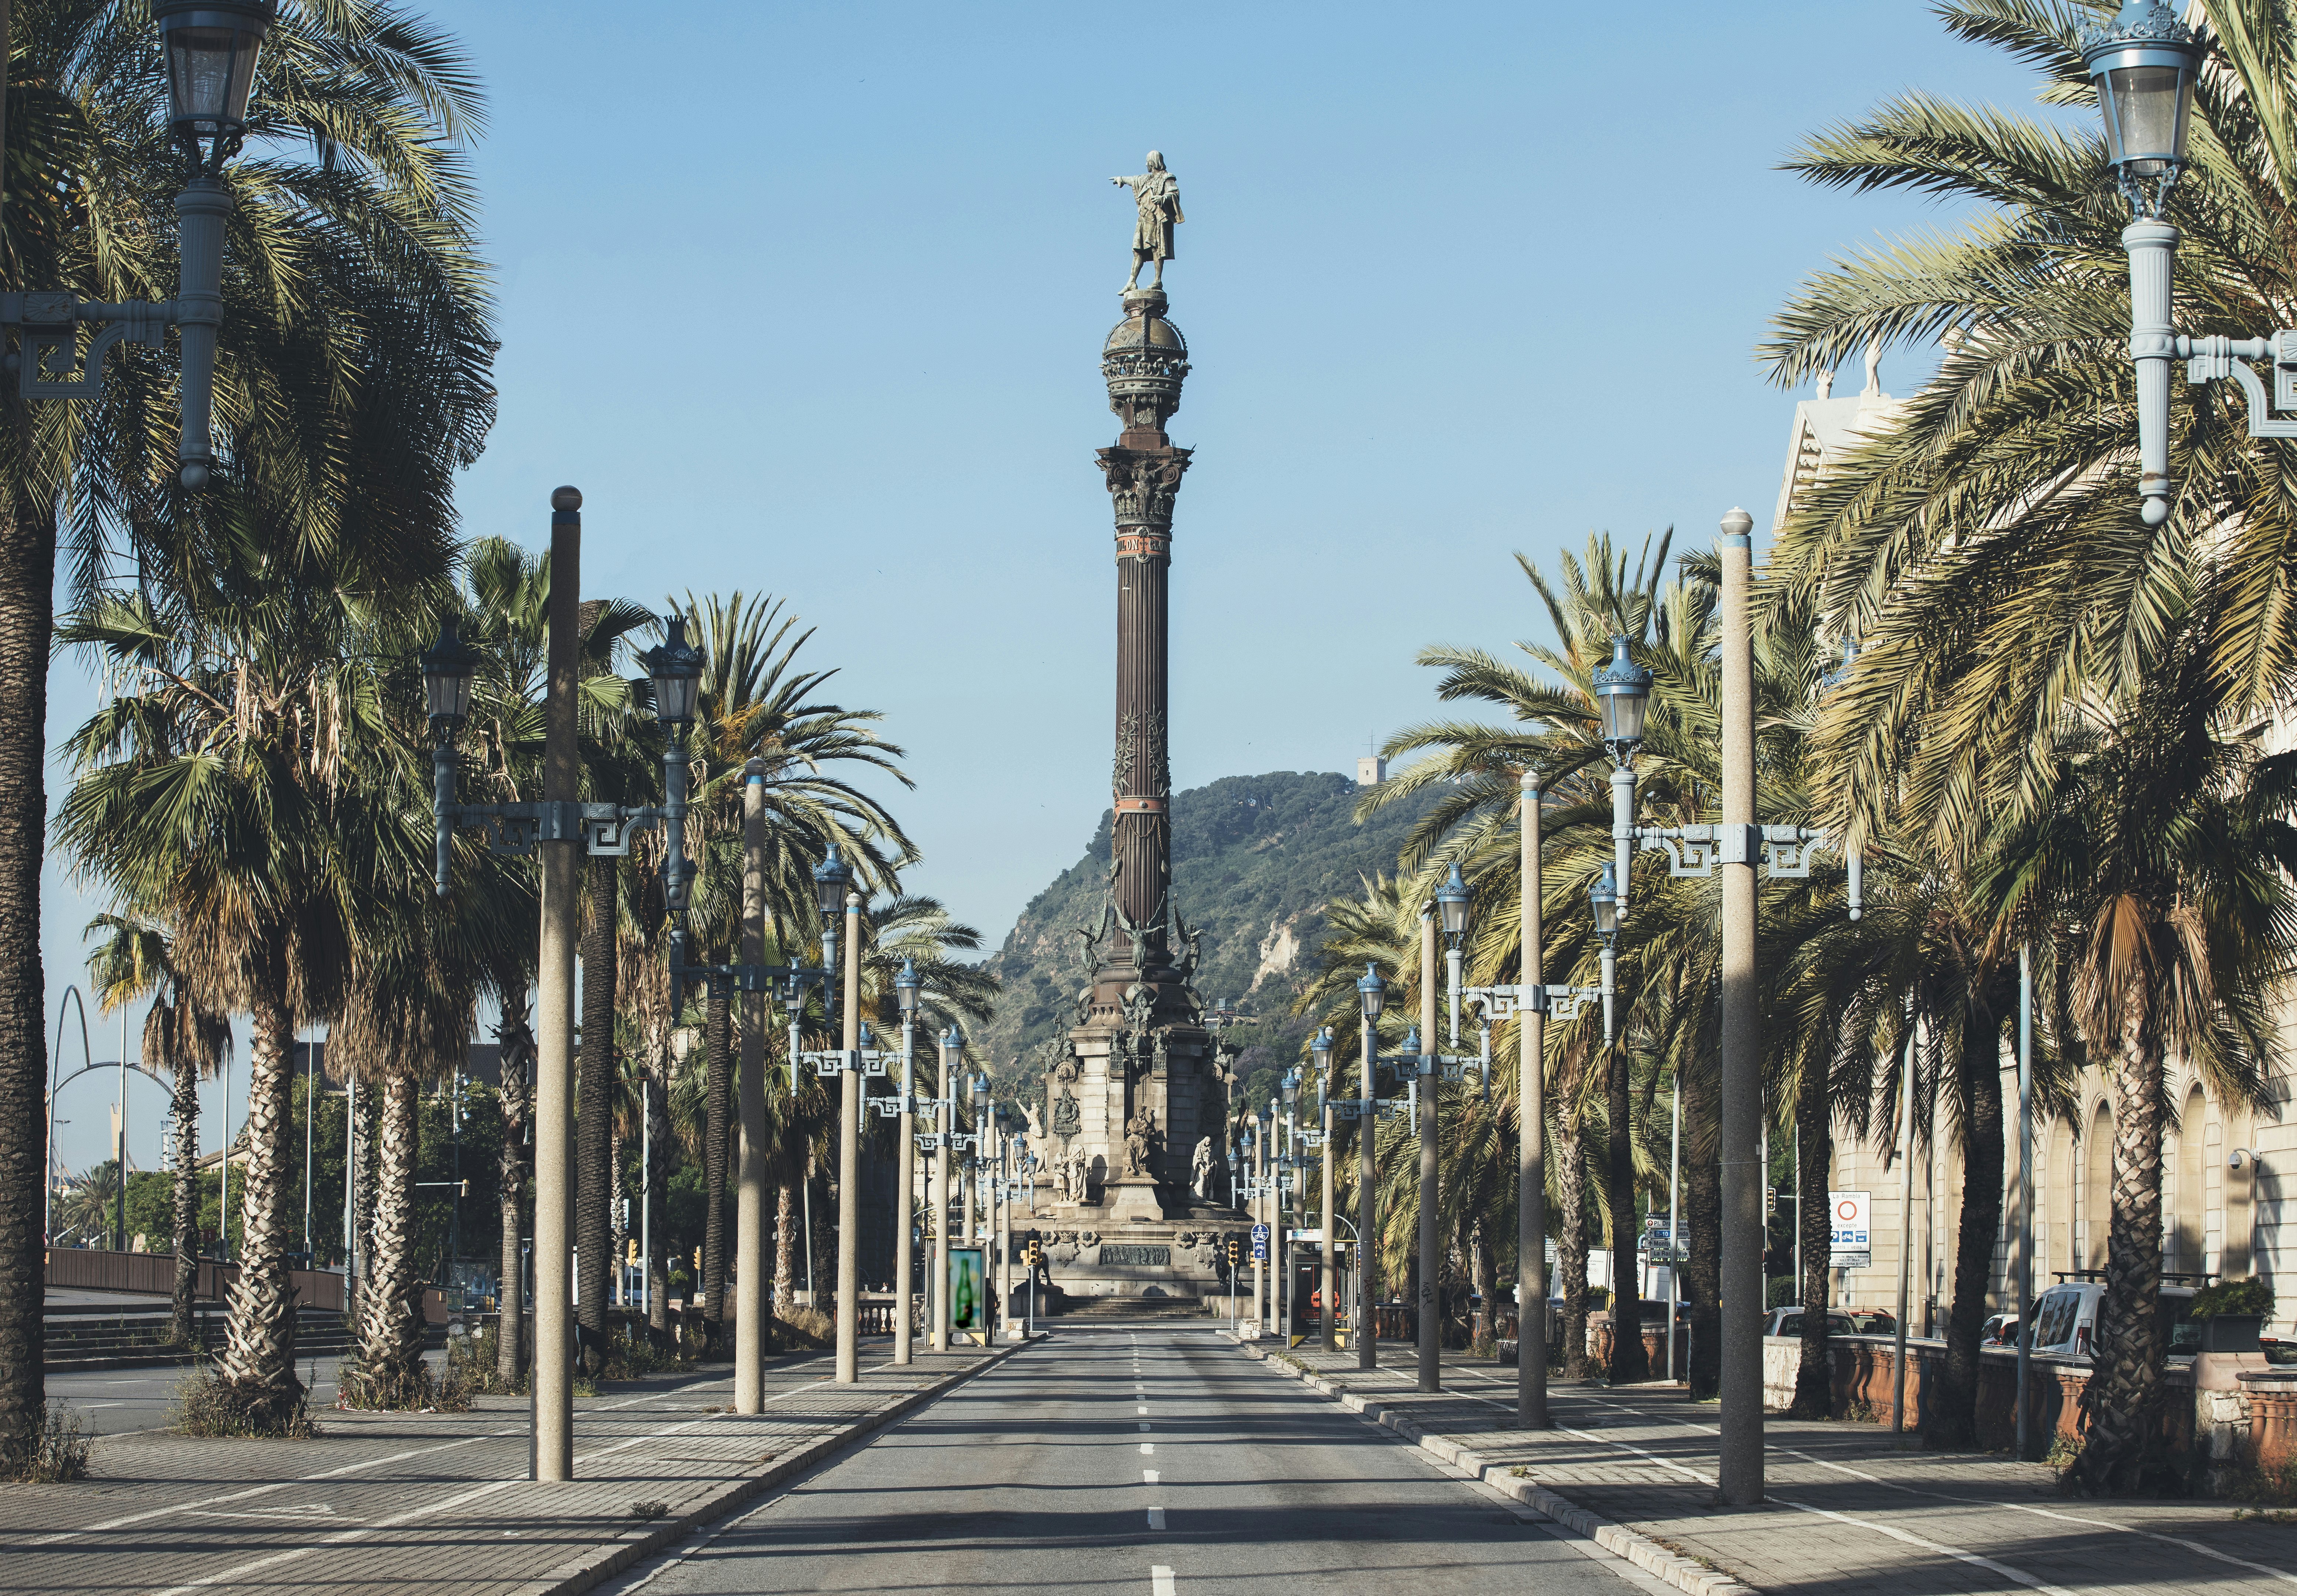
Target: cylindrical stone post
750 1219
849 1161
560 865
1739 1476
1531 1141
1431 1345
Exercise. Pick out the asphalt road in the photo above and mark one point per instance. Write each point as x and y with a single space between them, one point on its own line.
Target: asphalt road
116 1402
1157 1460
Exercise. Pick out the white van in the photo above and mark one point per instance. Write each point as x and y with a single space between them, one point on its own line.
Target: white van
2065 1318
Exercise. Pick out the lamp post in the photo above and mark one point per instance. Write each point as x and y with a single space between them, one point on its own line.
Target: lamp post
1371 994
1328 1307
1290 1089
210 49
556 828
833 885
905 994
952 1054
1739 1471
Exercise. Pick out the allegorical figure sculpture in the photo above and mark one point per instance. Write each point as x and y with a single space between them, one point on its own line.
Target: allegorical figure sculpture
1157 193
1200 1169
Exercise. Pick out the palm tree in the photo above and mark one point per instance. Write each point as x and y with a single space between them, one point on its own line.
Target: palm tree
1986 552
406 1018
349 383
132 962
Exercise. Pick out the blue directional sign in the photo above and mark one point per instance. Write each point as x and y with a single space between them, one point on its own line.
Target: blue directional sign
1260 1244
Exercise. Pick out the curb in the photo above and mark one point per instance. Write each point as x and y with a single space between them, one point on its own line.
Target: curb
1693 1578
636 1544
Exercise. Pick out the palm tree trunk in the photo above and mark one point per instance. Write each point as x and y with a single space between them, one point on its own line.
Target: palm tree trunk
620 1244
1482 1266
2125 1392
785 1246
713 1177
594 1112
362 1155
1571 1239
1814 1395
657 1086
391 1328
510 1177
185 1111
1953 1423
259 1360
28 574
1630 1362
1702 1213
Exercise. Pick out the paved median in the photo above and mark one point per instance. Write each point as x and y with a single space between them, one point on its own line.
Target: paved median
440 1503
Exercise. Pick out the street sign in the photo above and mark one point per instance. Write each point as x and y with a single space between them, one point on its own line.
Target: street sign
1852 1216
1260 1244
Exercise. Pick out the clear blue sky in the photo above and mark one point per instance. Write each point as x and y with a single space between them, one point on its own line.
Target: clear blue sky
808 300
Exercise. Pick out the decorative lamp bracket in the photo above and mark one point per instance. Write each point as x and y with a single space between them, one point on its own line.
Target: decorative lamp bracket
2211 359
49 326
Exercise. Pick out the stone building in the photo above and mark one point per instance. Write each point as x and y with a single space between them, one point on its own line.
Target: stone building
2227 1167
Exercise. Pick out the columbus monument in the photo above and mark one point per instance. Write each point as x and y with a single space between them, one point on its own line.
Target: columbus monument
1136 1093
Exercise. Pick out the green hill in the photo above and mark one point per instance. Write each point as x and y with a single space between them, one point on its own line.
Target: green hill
1254 859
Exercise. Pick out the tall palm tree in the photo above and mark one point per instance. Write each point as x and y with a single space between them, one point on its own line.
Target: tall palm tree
132 962
350 382
1987 551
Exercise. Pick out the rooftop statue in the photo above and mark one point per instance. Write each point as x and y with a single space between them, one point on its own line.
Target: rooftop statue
1159 194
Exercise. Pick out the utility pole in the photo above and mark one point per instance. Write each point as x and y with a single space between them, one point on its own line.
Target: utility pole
1739 1476
560 867
849 1159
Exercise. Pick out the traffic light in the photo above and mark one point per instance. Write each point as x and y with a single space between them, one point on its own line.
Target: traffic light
1234 1251
1033 1250
632 1258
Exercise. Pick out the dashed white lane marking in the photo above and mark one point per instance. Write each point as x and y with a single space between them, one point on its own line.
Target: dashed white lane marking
1148 1449
1160 1581
1148 1476
1156 1518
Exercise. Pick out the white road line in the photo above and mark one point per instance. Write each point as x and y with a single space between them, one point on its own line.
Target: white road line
1160 1581
1136 1410
1156 1518
1148 1449
230 1576
1148 1476
1976 1501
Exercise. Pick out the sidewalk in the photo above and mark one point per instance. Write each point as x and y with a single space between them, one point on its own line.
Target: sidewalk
1846 1513
440 1503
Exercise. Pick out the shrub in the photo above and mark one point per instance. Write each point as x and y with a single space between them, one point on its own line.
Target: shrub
2233 1296
58 1453
207 1404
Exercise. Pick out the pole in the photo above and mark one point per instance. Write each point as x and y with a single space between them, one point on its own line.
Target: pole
1367 1324
1004 1233
222 1214
2025 1183
849 1160
1905 1228
120 1202
350 1192
1674 1229
750 1095
561 868
1431 1348
1259 1212
1531 1133
1741 1471
311 1117
1327 1310
946 1117
646 1198
905 1199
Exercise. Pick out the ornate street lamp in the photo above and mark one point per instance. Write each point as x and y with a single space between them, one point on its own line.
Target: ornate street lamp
1623 695
2144 65
209 48
1373 994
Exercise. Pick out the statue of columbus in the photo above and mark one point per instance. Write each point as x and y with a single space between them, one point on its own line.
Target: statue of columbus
1159 194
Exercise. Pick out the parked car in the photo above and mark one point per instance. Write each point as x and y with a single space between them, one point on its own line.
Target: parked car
1873 1321
1787 1321
2001 1329
2065 1318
